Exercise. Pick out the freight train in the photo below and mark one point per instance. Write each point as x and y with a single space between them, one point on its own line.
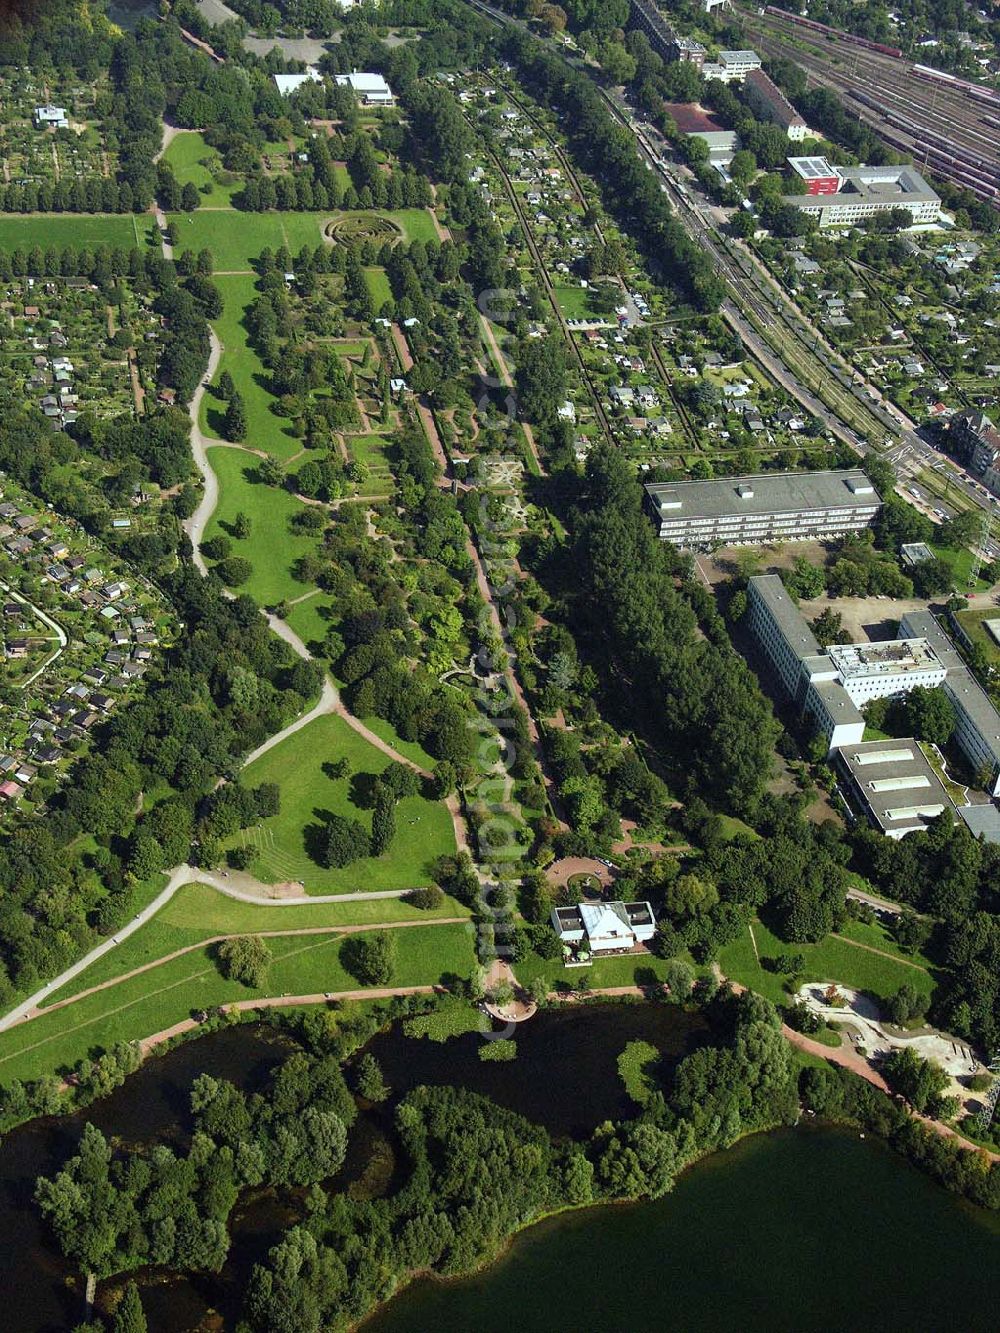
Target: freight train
834 32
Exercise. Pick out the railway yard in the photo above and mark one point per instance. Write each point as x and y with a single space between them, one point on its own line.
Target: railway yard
948 125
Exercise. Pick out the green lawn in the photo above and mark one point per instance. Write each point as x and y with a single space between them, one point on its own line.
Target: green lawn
307 619
973 624
378 285
236 239
151 1002
961 566
831 960
631 970
186 155
265 430
272 547
423 828
198 912
371 451
574 302
71 229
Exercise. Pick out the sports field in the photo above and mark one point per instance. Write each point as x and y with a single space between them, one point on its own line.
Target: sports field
286 842
72 229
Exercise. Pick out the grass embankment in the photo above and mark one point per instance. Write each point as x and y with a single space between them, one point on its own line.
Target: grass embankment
833 959
424 829
154 1001
198 912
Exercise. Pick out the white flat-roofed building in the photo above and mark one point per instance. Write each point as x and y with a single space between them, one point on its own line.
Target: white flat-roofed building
830 687
892 784
885 670
756 510
51 115
733 66
287 84
977 722
371 88
605 927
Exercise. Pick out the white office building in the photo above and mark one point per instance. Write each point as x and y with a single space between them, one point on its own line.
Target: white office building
977 722
756 510
731 66
864 191
372 89
831 687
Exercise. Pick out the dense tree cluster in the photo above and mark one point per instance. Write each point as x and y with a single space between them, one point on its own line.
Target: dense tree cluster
113 1213
700 700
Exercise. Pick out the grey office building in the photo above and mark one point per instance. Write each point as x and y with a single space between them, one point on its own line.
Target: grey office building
770 507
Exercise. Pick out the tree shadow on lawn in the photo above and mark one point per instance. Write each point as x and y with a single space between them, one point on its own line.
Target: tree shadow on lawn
362 790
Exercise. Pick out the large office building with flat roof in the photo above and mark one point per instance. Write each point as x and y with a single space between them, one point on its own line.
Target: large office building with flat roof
831 687
752 511
895 787
977 722
862 192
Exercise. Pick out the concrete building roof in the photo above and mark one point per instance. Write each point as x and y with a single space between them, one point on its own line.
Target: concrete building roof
767 493
786 614
896 782
982 821
960 680
895 657
287 84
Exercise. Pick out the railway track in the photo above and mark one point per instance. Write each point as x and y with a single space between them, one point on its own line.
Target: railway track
944 126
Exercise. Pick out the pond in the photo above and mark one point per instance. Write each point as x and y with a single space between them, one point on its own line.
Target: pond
565 1076
802 1230
152 1103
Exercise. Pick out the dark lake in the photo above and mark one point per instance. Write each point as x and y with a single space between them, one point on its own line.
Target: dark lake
805 1229
802 1231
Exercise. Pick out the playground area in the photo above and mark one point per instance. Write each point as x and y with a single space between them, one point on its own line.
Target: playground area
859 1016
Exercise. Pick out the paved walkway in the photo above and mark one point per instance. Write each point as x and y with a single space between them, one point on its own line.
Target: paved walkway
195 525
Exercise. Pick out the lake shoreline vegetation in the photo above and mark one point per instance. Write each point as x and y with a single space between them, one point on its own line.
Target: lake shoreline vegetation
476 1174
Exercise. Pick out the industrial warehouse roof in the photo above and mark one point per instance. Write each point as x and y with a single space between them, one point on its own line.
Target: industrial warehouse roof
768 493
